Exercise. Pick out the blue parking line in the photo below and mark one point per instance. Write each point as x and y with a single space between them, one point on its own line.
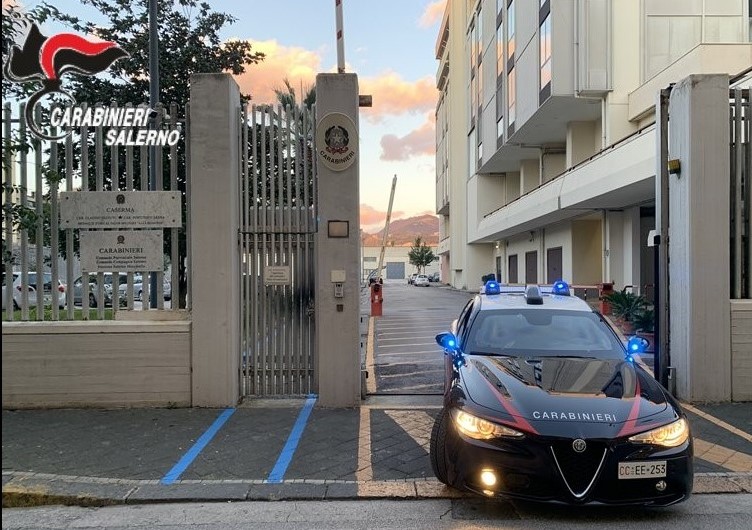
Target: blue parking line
177 470
285 457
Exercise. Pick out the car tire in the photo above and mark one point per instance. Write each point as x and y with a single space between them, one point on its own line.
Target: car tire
438 446
92 300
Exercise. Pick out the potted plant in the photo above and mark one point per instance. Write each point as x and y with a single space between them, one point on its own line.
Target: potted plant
644 324
625 307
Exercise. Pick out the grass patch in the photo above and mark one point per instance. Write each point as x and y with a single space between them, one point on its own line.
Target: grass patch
78 314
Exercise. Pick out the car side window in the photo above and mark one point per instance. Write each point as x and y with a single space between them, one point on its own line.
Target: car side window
463 319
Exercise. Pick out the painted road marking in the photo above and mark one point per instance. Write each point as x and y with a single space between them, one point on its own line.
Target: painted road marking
718 422
365 468
277 474
370 368
723 456
177 470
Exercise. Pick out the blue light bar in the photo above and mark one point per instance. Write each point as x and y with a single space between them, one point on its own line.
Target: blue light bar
560 287
635 345
492 287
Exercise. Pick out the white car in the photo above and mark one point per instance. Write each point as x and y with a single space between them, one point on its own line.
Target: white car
421 280
32 290
138 289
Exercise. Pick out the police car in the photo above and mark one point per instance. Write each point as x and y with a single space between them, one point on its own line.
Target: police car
542 401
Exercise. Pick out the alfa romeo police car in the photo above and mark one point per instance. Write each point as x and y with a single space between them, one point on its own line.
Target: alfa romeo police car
542 401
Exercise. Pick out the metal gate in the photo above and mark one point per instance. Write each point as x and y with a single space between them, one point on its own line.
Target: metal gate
741 193
277 227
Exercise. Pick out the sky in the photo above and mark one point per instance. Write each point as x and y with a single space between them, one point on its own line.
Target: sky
389 44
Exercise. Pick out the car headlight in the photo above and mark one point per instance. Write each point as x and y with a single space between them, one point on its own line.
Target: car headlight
671 435
479 428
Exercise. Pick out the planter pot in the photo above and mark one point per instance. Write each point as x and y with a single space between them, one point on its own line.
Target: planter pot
626 327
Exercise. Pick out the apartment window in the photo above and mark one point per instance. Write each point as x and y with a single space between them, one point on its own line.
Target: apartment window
511 96
472 153
545 52
673 27
479 33
500 49
510 30
499 114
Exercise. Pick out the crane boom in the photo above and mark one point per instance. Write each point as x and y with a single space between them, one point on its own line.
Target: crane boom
386 228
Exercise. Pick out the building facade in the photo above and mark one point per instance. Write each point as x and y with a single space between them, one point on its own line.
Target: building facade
545 130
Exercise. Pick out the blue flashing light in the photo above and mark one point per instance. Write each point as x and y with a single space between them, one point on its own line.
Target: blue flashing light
561 288
492 287
451 343
635 345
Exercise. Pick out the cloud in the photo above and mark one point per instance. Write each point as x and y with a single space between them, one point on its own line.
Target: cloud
371 217
392 95
432 14
294 63
420 142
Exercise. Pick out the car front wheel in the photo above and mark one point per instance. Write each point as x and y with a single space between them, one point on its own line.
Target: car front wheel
438 446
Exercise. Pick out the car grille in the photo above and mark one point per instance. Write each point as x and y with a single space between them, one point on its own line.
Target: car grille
578 469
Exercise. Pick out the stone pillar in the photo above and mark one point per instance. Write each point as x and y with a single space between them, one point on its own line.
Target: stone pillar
699 238
337 242
215 289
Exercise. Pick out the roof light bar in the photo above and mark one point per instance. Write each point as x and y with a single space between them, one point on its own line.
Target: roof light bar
492 287
561 288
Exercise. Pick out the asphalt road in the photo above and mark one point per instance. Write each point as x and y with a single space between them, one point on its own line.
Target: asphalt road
729 512
407 359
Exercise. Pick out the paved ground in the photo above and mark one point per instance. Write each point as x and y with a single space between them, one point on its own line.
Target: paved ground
292 449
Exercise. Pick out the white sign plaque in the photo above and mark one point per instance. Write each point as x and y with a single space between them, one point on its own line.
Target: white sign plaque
123 251
120 209
277 275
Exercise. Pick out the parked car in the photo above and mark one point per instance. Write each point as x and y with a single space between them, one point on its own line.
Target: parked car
9 283
421 280
411 278
542 401
92 292
138 289
32 290
435 277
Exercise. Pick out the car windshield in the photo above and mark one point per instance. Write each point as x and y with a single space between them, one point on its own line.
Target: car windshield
536 333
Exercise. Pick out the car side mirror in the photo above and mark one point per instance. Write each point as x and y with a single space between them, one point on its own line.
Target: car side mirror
637 344
447 341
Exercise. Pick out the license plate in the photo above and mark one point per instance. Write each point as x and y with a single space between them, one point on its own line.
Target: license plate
628 470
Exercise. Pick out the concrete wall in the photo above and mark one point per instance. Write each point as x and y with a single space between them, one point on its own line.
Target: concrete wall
396 254
214 218
699 245
587 254
741 350
96 364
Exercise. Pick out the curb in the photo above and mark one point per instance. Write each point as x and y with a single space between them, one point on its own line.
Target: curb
23 489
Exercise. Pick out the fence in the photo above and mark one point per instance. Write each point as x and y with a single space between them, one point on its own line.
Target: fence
35 247
741 194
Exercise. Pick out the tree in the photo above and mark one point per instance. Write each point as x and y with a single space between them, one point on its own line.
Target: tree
189 43
421 255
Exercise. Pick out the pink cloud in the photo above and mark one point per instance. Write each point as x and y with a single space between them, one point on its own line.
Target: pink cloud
433 13
393 95
371 217
296 64
420 142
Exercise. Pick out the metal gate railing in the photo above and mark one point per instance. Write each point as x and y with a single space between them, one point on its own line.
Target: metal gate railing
741 194
277 227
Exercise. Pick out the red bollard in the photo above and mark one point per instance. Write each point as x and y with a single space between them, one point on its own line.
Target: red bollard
377 298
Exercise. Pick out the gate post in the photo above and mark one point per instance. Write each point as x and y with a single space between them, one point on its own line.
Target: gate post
698 245
214 221
337 272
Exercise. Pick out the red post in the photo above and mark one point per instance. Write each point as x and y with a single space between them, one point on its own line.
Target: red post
377 298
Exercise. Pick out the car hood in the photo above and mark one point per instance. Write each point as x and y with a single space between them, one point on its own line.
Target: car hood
555 395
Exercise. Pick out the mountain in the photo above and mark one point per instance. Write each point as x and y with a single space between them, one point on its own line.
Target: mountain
402 232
